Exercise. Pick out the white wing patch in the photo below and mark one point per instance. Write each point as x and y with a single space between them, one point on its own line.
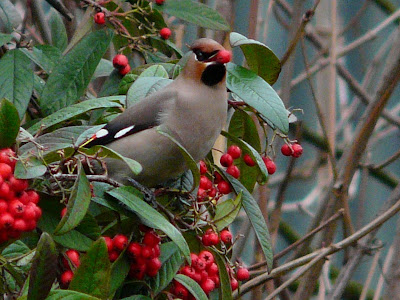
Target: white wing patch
101 133
124 131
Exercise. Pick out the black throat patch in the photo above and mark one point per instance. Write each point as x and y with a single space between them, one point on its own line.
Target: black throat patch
213 74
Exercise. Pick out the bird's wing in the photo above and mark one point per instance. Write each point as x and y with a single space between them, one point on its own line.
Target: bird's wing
141 116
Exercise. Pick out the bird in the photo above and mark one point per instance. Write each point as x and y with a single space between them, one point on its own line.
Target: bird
192 109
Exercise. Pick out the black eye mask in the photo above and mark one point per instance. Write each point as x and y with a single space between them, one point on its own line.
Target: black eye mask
204 56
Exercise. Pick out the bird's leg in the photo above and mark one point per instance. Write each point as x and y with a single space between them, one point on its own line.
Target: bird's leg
148 195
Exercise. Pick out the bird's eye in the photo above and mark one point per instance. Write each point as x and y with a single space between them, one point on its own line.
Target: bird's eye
200 55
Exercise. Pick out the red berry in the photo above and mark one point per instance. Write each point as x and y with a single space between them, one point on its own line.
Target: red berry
242 274
205 183
188 271
234 284
248 160
6 220
74 258
3 206
124 70
151 272
165 33
137 271
286 150
234 171
201 194
217 177
100 18
270 165
214 238
144 228
113 255
63 212
208 285
224 187
24 197
154 264
120 61
29 212
157 251
33 196
234 151
147 251
5 170
16 208
194 258
109 243
3 236
224 56
135 250
297 150
210 239
200 265
30 224
212 269
226 236
38 211
66 278
18 185
203 167
5 190
207 256
120 242
7 156
226 160
216 280
151 239
212 193
180 291
19 225
160 2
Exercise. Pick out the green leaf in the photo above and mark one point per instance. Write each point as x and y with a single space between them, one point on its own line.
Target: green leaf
111 85
89 227
78 203
45 56
29 168
69 295
227 211
144 86
75 110
59 36
5 38
256 218
44 268
103 151
225 283
9 15
155 71
260 59
196 13
257 93
193 287
16 79
252 152
119 271
93 275
15 249
242 126
190 162
171 264
9 123
69 79
104 68
131 198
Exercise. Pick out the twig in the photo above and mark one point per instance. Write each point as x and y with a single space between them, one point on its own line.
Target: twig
387 162
98 178
371 272
349 241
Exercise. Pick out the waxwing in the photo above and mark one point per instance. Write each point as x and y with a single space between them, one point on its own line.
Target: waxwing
192 109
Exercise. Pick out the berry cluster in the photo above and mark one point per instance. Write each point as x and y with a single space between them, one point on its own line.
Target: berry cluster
145 256
205 272
211 189
121 63
18 205
70 261
100 18
116 245
211 238
295 150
